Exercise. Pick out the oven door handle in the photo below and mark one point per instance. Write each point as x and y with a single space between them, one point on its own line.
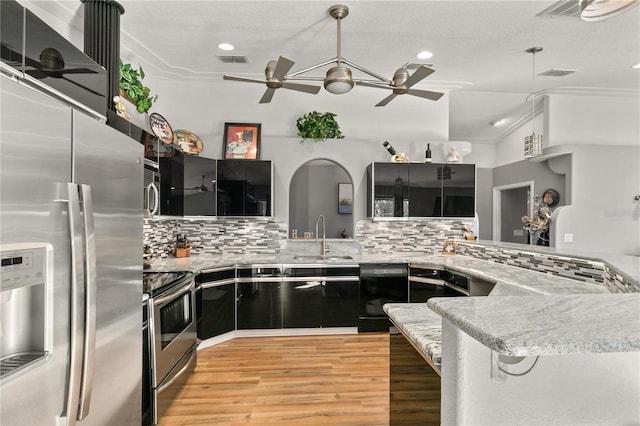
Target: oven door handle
180 373
187 288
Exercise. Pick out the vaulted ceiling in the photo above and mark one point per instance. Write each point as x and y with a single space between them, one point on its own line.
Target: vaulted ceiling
478 47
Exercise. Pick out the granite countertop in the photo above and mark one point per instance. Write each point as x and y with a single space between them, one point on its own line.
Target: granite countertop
547 325
510 280
527 312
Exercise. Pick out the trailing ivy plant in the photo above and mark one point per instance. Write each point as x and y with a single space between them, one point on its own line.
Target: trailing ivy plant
136 91
318 126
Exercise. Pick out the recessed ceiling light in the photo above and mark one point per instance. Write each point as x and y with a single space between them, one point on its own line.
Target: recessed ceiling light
225 46
425 54
496 123
636 66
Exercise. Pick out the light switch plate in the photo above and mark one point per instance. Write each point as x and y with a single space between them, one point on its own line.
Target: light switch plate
568 238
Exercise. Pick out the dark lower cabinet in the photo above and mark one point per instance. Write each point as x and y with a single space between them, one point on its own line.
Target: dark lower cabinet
320 302
302 303
259 305
215 302
421 292
414 387
217 308
340 303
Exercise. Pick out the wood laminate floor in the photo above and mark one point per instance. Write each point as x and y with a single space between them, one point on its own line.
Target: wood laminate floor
301 380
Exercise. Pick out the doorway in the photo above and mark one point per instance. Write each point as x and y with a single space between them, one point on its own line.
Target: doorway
510 203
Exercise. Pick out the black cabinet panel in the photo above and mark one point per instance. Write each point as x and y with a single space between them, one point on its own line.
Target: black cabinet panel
425 191
244 188
340 304
302 304
259 305
458 190
421 292
216 310
391 189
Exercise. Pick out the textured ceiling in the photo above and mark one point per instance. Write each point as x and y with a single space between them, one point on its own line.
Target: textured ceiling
479 46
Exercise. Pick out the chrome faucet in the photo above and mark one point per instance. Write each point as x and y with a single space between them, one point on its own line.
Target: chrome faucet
323 248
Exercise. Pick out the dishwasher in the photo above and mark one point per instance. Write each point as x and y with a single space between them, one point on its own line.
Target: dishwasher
381 283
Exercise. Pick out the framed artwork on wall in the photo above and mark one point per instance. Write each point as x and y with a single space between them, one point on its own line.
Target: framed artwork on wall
241 141
345 198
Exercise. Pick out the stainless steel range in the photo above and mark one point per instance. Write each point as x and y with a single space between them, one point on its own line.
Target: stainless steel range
171 338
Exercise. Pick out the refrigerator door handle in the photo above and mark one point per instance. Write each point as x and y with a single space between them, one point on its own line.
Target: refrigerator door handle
91 288
76 306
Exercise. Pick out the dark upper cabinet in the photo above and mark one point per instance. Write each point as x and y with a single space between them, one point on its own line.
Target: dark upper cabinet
11 32
187 185
420 190
390 190
39 53
425 191
198 186
458 189
244 188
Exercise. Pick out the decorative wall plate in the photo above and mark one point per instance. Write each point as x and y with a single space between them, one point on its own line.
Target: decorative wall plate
187 142
550 197
161 128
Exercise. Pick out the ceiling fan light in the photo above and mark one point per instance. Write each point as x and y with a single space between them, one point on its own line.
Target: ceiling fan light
338 80
599 10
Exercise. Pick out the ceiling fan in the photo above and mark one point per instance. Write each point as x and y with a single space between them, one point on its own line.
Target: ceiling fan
275 74
339 79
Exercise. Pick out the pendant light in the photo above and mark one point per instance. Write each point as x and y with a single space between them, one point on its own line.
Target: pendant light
533 142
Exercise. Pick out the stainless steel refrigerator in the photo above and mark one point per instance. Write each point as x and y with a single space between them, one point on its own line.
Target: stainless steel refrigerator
71 241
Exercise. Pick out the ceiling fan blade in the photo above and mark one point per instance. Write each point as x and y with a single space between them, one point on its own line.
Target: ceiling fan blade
386 100
268 95
302 87
282 68
367 84
422 72
245 79
434 96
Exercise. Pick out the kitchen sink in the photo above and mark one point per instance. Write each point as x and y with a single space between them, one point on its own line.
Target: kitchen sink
321 257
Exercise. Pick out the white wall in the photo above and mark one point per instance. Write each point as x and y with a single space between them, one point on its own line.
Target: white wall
592 120
584 389
603 215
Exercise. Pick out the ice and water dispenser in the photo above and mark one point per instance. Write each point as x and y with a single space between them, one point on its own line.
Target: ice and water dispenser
25 281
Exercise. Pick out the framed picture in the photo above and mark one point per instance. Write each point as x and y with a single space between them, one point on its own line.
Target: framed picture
241 141
345 198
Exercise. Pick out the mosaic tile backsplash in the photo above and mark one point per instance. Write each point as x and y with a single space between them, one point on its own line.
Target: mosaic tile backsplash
406 236
267 235
577 269
222 236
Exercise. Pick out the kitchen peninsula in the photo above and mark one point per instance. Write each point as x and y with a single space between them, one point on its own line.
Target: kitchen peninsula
572 326
556 358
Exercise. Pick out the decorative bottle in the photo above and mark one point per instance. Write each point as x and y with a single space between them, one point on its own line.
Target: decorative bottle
427 154
389 148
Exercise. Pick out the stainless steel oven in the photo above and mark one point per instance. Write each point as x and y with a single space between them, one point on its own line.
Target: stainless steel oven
172 334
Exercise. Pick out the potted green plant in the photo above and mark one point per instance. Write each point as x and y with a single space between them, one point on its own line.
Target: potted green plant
132 88
318 126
